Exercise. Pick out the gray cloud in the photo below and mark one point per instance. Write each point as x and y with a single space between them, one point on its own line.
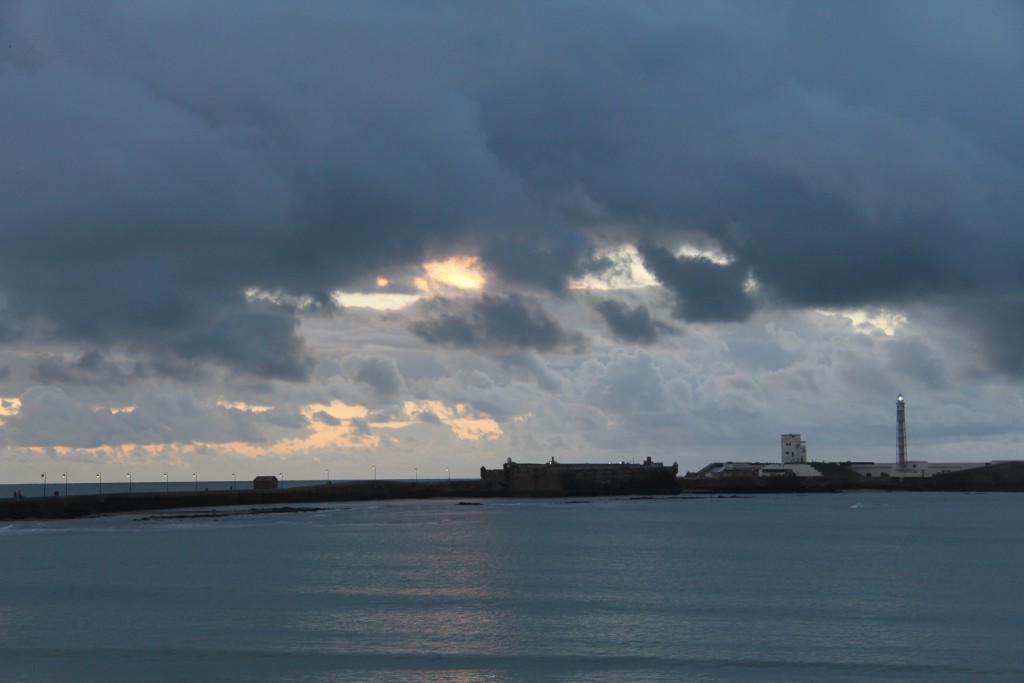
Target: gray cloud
494 323
629 384
264 343
362 427
428 417
547 264
913 358
381 374
634 324
326 418
997 325
92 367
528 365
50 417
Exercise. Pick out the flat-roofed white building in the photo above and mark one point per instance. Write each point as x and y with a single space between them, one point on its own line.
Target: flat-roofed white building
794 450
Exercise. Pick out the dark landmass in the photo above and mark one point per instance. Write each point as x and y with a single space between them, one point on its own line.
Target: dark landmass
1005 476
512 480
66 507
551 480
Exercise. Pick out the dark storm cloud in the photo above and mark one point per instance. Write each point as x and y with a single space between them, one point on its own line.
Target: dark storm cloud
150 175
916 360
159 159
631 324
998 328
705 291
265 344
498 323
541 264
92 367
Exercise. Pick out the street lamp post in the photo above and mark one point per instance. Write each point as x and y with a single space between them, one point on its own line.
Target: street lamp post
100 479
167 484
234 481
448 472
327 475
374 472
416 474
129 475
65 475
195 479
43 475
281 478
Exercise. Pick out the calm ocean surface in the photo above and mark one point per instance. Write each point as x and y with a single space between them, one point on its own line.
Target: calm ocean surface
843 587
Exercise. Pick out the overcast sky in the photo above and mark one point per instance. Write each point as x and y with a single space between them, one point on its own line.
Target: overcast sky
264 237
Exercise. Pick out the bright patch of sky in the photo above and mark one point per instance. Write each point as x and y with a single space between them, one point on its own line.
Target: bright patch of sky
240 405
279 298
626 271
463 423
10 406
871 321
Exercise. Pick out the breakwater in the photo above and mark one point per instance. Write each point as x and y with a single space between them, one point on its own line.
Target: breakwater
56 507
513 480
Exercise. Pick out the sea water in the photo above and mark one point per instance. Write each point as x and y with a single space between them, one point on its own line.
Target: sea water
829 587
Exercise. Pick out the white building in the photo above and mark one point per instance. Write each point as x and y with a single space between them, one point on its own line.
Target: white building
794 450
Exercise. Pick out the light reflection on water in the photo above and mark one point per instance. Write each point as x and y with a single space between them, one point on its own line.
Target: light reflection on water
786 588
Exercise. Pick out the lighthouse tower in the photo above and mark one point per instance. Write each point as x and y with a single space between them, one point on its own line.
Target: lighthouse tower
901 431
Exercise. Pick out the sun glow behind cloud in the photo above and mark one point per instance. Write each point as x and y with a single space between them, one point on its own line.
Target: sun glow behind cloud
459 272
455 272
9 407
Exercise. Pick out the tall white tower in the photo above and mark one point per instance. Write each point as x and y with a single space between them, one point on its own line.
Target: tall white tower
901 431
794 449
